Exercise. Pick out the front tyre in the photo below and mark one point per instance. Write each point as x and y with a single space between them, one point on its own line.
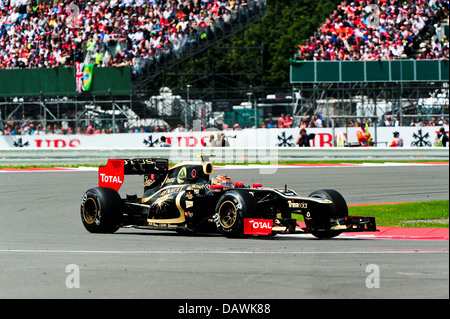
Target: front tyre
231 210
338 209
101 210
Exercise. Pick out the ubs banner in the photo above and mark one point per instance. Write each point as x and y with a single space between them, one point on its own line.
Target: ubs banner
261 138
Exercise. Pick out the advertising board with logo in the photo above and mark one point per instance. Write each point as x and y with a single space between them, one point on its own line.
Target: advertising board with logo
261 138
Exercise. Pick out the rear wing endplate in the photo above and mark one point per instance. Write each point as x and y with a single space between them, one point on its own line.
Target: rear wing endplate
112 174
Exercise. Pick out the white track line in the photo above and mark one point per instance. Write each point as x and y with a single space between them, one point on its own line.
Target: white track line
224 252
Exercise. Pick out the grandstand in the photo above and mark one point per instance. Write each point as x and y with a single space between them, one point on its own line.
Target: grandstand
137 33
376 59
369 58
130 42
381 30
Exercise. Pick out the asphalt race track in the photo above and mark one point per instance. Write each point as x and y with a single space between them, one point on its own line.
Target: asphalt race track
45 252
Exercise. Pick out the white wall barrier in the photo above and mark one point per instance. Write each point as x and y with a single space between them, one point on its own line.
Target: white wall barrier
249 146
324 138
270 156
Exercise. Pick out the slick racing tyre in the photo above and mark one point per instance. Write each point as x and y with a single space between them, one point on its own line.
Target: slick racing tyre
231 210
101 210
337 209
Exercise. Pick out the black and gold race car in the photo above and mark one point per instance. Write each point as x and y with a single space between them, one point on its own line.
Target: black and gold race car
183 198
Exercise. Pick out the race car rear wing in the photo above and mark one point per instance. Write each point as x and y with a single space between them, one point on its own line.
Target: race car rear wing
143 166
112 174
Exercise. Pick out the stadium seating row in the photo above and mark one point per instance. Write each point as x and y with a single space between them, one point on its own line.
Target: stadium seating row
380 30
107 33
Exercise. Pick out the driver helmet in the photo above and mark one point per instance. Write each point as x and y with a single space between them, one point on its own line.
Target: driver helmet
223 180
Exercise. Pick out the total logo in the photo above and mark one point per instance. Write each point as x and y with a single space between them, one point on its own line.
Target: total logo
110 179
260 224
112 174
257 226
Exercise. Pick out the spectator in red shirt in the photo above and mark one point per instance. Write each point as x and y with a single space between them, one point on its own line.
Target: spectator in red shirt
281 121
289 121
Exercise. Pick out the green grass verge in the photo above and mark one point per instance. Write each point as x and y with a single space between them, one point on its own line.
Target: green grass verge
417 215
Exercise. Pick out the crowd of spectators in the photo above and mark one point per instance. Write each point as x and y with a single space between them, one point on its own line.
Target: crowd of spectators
38 128
49 34
418 121
395 121
380 30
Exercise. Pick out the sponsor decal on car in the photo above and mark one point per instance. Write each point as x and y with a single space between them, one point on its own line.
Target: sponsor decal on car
254 226
111 175
293 204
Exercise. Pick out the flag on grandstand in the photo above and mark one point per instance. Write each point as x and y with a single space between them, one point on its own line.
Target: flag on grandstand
87 77
79 67
84 76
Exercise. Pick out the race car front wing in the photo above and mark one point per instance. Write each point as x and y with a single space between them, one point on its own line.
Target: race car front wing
253 226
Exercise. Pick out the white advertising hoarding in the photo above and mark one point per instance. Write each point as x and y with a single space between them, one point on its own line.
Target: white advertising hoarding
263 138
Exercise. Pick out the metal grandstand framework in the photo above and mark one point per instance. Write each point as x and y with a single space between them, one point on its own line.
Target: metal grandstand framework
210 38
344 101
150 103
206 88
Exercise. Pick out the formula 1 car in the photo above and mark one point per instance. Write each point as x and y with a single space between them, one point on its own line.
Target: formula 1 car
184 199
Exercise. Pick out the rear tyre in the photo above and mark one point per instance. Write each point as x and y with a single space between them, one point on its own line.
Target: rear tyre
101 210
231 210
338 209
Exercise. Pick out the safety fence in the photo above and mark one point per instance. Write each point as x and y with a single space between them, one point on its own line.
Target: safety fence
265 156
